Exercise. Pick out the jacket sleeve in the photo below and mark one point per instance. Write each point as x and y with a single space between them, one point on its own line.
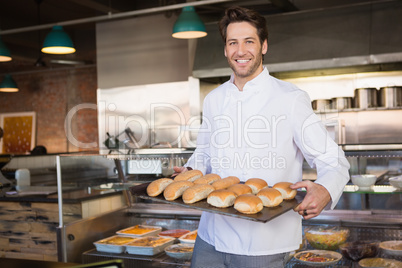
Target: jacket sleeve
319 149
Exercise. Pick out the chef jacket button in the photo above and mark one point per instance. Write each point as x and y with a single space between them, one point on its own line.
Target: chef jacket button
244 172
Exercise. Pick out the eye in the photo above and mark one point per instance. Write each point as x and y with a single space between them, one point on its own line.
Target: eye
232 43
249 42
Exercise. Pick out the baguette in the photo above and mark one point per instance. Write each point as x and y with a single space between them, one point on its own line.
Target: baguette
190 175
208 179
176 189
156 187
286 191
221 198
248 204
240 189
197 193
256 184
225 182
270 197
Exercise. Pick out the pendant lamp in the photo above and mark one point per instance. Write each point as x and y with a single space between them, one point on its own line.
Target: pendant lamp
8 84
5 54
189 25
58 42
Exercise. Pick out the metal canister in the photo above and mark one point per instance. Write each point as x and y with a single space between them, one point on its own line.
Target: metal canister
321 104
390 97
365 98
341 103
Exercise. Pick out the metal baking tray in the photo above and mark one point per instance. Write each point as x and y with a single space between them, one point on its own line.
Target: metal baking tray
265 215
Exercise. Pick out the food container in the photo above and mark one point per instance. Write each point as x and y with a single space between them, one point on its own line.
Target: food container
149 246
175 233
393 248
396 182
326 237
318 257
321 104
365 98
390 97
358 250
341 103
180 251
113 244
140 231
364 181
380 262
189 238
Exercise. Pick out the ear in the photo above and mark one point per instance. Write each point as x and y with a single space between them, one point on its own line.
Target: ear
264 47
224 51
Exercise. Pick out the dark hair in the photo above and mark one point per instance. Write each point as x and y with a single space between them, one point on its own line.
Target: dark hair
240 14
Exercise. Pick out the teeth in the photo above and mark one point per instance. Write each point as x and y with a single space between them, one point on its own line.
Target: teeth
242 61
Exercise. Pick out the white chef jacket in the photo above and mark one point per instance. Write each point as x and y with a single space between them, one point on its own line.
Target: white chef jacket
264 131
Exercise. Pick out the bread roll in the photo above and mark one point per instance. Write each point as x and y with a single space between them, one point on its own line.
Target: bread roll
284 188
256 184
208 179
197 193
221 198
176 189
158 186
190 175
270 197
248 204
240 189
225 182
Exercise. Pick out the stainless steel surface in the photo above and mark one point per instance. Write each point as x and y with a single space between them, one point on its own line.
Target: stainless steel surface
390 97
365 98
321 104
341 103
291 49
80 235
367 128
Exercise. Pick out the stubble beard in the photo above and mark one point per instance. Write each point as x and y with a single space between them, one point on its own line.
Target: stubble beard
253 68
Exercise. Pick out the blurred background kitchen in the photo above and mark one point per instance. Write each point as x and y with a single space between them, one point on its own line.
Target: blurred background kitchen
125 107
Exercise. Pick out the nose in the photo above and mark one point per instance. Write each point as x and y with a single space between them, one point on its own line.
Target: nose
241 49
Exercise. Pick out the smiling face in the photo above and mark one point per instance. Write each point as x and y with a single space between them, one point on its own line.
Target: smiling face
244 51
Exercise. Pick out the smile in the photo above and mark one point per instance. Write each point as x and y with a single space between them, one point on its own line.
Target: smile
242 61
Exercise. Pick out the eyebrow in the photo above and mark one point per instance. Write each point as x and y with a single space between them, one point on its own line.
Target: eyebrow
247 38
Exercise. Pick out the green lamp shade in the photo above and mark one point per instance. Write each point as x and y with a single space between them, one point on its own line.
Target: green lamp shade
5 54
58 42
189 25
8 84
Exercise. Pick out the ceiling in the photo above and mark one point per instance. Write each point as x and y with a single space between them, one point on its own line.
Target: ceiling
24 43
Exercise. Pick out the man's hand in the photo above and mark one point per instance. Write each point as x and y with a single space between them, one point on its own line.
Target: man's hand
178 170
314 202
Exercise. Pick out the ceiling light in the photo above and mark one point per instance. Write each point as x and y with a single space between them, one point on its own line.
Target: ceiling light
5 54
58 42
8 84
189 25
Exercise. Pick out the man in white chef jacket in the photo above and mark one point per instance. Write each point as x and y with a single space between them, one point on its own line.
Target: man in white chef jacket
256 126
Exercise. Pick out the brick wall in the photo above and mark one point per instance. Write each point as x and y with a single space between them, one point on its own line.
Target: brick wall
52 94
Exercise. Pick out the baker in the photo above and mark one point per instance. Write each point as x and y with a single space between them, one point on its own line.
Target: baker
256 126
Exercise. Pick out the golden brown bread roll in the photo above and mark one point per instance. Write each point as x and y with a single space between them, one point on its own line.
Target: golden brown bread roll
158 186
225 182
207 179
176 189
190 175
221 198
286 191
240 189
197 193
256 184
270 197
248 204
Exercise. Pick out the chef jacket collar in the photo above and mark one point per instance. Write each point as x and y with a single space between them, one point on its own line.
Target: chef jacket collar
253 86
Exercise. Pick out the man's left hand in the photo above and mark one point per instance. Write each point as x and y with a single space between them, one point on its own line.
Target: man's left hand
314 202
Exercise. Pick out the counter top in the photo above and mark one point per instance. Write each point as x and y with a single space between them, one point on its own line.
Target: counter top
6 262
69 196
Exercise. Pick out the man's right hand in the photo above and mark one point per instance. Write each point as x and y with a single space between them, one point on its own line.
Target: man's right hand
178 170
